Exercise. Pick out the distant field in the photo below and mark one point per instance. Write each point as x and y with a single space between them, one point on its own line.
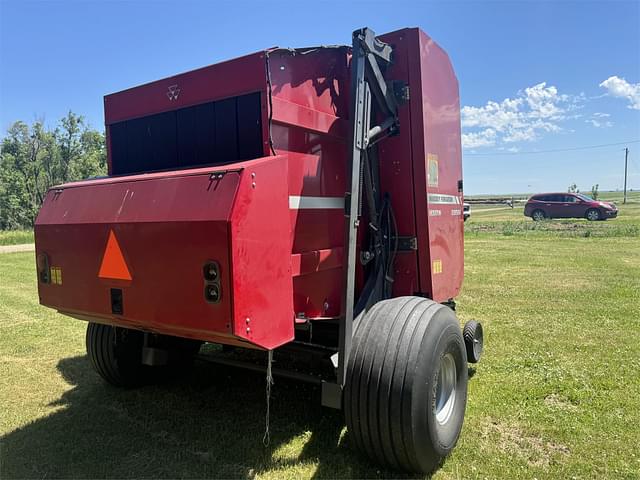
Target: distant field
15 237
606 195
505 220
555 396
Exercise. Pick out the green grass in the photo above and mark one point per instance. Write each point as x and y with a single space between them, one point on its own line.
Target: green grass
556 394
15 237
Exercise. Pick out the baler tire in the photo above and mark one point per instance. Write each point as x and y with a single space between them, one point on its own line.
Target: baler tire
473 340
116 354
399 352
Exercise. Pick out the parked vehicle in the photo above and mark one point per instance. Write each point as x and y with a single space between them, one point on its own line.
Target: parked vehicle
466 210
568 205
224 219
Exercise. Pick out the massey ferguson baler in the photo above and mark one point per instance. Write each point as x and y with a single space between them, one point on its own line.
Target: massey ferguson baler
293 200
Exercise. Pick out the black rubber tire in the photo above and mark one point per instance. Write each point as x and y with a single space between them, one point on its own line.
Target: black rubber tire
473 340
533 215
116 354
392 377
596 218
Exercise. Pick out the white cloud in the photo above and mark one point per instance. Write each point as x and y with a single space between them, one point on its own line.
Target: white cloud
601 115
483 138
619 87
535 110
599 123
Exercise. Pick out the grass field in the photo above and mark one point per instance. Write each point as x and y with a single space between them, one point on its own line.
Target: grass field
557 394
15 237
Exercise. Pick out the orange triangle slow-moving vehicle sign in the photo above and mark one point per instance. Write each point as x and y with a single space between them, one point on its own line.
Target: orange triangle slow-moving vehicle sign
113 264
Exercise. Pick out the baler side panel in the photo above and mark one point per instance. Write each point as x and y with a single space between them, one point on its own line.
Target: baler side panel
261 255
317 80
435 120
317 233
310 125
396 171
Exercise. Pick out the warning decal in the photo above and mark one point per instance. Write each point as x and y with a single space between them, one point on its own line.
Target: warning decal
432 170
436 267
113 264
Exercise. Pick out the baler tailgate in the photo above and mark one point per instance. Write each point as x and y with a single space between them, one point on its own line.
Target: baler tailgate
133 251
148 239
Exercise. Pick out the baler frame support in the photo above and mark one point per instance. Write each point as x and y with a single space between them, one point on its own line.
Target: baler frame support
369 57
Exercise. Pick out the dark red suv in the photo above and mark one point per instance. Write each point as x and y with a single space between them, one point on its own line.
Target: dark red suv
568 205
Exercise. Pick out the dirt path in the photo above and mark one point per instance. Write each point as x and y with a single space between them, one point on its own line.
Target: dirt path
27 247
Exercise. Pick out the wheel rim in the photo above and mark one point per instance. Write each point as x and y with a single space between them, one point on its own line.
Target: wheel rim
446 389
593 215
538 215
477 344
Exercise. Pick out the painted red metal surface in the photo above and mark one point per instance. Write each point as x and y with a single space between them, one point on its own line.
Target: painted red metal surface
167 227
279 242
435 135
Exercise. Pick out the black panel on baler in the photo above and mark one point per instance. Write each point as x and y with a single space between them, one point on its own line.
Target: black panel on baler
218 132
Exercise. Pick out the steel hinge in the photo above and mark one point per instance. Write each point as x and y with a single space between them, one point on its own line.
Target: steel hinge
407 244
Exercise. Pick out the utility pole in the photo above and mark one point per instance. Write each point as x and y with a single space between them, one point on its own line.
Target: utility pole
626 155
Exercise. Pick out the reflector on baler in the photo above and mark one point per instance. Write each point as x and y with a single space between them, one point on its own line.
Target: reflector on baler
113 264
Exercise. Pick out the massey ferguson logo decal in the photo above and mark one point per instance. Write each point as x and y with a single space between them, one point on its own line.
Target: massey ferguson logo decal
172 92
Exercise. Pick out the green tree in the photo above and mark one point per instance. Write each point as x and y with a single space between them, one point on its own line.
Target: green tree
33 159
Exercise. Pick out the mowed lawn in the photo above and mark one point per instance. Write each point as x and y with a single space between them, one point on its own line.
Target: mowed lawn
556 395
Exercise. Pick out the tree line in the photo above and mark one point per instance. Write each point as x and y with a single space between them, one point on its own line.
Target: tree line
34 158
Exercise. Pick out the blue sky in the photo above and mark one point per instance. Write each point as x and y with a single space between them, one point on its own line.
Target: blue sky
534 75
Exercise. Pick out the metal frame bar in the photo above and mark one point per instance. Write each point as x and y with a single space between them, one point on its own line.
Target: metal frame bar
367 81
278 372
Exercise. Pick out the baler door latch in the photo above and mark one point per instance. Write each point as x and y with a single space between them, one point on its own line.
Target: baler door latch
218 175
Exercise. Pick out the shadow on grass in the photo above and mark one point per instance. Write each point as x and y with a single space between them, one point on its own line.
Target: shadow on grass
208 424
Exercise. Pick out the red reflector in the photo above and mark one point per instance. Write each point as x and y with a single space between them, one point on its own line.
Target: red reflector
113 263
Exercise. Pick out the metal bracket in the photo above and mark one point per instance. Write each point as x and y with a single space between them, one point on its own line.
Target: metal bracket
407 244
331 395
218 174
401 91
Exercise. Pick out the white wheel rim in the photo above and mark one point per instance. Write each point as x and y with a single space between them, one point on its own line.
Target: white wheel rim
538 216
446 389
593 215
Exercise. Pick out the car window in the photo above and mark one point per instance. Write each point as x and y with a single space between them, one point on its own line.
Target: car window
570 199
585 198
555 198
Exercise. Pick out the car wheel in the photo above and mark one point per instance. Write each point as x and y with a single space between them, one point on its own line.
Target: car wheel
593 214
538 215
